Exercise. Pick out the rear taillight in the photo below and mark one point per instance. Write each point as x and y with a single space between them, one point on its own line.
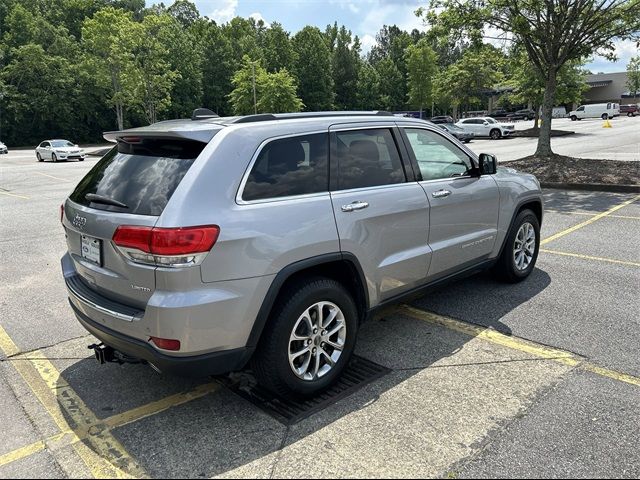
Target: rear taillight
165 343
171 247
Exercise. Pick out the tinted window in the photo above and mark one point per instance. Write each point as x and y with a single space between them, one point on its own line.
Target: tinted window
62 143
289 166
44 144
367 158
580 109
436 156
143 176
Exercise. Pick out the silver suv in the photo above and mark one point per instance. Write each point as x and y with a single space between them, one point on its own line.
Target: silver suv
201 245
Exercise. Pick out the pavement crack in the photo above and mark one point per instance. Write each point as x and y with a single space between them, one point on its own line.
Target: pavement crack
494 362
26 352
283 444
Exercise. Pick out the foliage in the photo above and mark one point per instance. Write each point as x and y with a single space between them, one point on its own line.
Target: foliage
421 68
633 73
312 68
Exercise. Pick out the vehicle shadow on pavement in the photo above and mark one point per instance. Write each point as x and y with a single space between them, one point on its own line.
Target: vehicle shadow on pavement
221 432
567 201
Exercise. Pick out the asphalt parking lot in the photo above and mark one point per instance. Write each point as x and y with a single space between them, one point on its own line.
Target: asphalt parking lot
539 379
590 140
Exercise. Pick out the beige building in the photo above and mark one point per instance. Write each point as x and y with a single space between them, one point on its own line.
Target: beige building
609 87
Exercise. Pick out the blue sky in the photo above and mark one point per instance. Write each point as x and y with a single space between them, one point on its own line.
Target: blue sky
363 17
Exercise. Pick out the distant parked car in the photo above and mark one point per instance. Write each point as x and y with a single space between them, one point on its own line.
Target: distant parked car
55 150
499 113
3 148
596 110
525 114
459 133
629 110
442 119
486 127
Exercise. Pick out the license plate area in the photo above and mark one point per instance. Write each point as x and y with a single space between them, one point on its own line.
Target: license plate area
92 249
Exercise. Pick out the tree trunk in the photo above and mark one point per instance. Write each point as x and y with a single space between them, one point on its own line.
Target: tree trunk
536 119
120 115
544 138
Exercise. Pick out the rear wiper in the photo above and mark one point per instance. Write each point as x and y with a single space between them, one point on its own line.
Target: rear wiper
94 197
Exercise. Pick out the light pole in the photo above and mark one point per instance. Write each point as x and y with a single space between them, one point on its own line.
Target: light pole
255 106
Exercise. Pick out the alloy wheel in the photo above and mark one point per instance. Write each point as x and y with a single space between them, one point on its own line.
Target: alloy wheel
524 246
317 341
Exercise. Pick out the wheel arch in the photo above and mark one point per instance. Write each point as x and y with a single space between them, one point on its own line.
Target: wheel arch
533 204
343 267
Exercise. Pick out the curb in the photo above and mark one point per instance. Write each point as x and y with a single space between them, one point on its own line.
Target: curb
593 187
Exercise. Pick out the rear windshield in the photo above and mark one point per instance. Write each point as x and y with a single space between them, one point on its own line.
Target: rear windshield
138 177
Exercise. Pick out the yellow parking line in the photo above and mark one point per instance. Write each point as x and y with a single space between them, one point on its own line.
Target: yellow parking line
115 421
14 195
21 453
588 222
587 214
6 344
589 257
52 176
106 458
516 343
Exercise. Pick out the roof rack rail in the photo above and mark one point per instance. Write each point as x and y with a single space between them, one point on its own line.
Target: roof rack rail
264 117
203 113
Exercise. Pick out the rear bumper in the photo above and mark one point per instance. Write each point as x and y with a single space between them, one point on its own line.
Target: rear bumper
215 363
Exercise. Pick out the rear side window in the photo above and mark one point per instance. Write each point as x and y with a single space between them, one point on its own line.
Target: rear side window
367 158
141 175
289 166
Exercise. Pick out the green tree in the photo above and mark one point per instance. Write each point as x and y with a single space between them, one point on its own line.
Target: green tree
278 51
153 77
421 68
109 39
313 69
246 87
633 76
465 81
185 12
392 85
278 93
391 44
345 64
552 32
218 66
368 88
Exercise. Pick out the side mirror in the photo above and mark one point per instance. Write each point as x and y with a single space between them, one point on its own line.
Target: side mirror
488 164
485 123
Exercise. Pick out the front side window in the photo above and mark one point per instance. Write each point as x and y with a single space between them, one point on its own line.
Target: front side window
437 157
367 158
44 144
289 166
580 109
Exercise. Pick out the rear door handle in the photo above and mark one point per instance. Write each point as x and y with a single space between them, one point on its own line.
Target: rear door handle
441 194
357 205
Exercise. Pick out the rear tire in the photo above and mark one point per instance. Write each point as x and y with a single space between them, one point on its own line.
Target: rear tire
521 248
495 134
293 317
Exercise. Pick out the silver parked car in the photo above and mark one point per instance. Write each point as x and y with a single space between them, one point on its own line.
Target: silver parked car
200 245
55 150
486 127
3 148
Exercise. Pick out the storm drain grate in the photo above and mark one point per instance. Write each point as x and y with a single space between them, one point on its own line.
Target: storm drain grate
289 411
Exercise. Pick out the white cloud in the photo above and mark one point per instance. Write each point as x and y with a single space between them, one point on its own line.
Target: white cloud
258 16
367 41
382 12
225 10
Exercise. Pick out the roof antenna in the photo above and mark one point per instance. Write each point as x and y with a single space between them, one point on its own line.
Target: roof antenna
203 113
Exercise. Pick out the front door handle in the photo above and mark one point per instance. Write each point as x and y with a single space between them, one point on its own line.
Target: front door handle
441 194
357 205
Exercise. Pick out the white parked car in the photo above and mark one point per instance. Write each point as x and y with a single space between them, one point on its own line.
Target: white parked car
59 150
486 127
596 110
3 148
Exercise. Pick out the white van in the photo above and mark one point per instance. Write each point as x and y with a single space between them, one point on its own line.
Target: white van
597 110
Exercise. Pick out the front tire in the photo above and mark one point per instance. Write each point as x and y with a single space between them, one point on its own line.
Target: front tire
605 116
308 340
39 157
495 134
520 253
573 118
54 158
